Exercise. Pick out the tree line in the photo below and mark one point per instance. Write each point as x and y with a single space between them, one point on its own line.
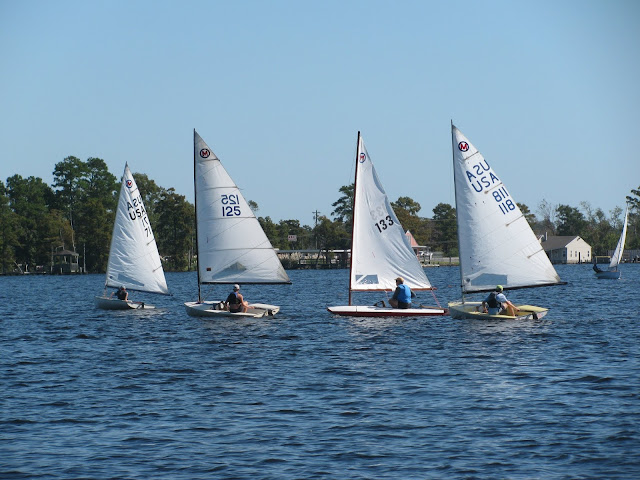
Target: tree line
76 212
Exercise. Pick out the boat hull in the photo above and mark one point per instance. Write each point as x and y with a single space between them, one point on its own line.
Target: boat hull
615 275
106 303
374 311
473 310
213 309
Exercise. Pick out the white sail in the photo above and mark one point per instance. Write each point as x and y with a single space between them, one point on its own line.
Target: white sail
232 247
380 250
496 243
133 257
616 258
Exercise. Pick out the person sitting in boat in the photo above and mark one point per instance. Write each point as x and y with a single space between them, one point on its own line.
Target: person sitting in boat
121 293
235 302
497 304
402 296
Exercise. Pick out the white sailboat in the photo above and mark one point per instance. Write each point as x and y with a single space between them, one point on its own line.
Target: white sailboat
380 250
232 247
612 272
134 261
496 244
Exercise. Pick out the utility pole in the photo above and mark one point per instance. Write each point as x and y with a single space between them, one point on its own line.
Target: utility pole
315 234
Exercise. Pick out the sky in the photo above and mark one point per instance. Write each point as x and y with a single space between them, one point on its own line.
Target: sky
547 90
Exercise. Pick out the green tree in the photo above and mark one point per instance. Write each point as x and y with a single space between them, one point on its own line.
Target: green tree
343 207
406 209
8 232
69 182
39 228
571 221
633 235
271 230
531 218
174 232
445 228
94 232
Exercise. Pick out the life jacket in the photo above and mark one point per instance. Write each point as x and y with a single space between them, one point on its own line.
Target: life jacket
493 301
233 299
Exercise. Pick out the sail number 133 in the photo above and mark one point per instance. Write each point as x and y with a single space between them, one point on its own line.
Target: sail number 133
384 223
230 205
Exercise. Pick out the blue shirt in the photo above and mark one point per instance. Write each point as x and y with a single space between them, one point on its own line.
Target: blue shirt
402 293
499 298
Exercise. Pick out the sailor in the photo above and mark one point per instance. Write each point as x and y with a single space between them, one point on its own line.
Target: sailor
496 303
402 295
235 302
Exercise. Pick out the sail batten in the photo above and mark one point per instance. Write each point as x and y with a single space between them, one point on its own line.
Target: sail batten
134 261
496 243
227 226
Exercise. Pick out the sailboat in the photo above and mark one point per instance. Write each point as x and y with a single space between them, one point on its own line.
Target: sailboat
232 247
612 272
134 261
380 250
496 244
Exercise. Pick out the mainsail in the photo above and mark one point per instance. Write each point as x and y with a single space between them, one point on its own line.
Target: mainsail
232 247
134 261
616 258
380 250
496 243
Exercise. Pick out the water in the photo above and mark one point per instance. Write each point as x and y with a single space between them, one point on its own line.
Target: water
156 394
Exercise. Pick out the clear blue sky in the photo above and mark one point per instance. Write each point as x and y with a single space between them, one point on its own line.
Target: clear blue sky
547 90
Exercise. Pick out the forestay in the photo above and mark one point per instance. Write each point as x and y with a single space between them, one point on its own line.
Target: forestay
380 250
617 254
496 243
133 257
232 247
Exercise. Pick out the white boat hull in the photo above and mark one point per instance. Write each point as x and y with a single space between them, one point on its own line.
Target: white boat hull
374 311
473 310
106 303
615 275
214 309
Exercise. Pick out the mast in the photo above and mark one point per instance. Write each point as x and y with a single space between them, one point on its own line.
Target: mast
195 202
353 214
455 188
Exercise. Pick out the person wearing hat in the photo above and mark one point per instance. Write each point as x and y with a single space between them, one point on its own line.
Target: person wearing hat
402 296
497 304
235 302
121 293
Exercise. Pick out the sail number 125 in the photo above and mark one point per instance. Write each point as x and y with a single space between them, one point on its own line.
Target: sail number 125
230 205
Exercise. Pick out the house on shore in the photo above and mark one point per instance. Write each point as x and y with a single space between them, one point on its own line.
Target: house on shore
566 249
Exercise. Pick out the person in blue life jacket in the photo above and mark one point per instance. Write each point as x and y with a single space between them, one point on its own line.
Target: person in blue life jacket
235 302
402 295
497 304
121 293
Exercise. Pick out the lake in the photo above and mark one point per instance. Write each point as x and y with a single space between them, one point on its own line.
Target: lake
156 394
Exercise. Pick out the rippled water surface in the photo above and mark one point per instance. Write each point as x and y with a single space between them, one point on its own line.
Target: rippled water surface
145 394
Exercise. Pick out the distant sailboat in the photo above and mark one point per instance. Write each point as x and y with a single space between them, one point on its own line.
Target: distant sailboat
232 247
134 261
612 272
380 250
496 243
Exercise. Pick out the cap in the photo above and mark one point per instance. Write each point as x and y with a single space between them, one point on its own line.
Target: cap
236 287
498 288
